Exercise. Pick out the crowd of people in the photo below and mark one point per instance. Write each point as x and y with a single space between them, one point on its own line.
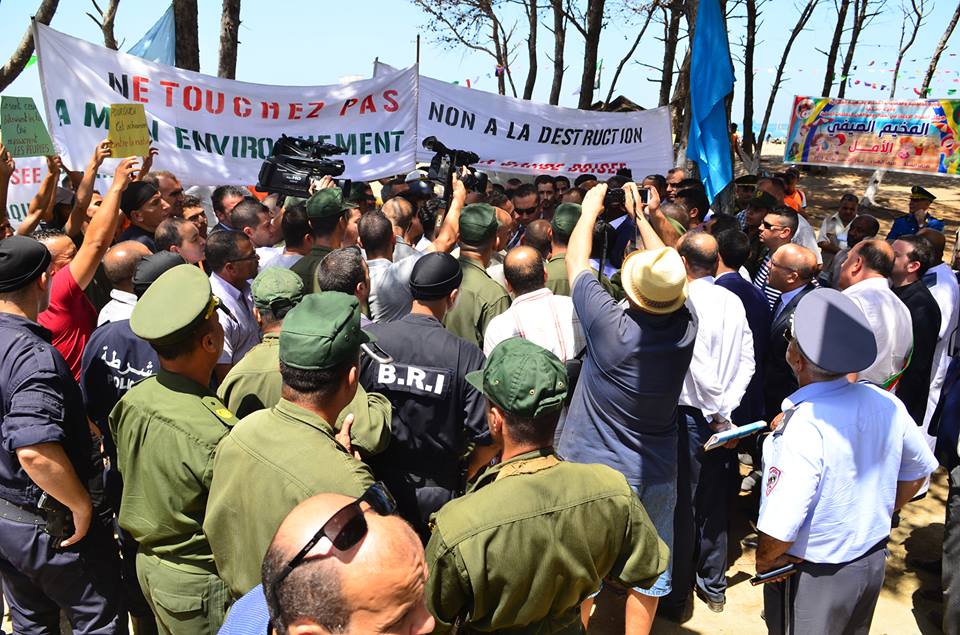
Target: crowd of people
415 411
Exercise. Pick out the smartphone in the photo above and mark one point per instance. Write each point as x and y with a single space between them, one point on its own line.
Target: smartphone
644 195
762 578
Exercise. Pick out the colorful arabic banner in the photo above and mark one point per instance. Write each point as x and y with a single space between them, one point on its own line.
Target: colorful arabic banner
902 136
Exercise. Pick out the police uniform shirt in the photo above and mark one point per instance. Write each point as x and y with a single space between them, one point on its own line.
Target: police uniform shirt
436 413
817 493
39 403
907 224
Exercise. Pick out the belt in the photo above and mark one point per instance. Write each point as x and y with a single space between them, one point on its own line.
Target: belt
21 514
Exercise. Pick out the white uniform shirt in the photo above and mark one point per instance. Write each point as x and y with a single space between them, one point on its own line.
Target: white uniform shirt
830 471
723 362
834 225
946 292
891 324
240 329
545 319
120 307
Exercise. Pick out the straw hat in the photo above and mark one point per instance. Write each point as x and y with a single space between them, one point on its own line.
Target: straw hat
655 280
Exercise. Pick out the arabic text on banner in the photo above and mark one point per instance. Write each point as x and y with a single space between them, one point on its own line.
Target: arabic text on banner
902 136
215 131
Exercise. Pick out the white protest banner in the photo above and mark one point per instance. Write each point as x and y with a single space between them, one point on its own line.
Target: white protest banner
525 137
24 184
213 131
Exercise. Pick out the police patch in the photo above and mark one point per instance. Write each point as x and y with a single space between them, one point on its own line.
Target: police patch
773 477
418 380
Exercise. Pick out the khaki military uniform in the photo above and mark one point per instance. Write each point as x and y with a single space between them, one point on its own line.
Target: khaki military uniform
481 300
306 267
565 528
166 429
272 461
559 283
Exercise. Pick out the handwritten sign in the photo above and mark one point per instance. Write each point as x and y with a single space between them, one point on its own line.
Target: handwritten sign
24 133
904 136
128 131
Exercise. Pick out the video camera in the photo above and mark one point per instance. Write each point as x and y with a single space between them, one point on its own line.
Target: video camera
296 163
446 161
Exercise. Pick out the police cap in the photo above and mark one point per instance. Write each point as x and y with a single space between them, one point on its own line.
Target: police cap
322 331
152 267
762 200
434 276
746 180
833 333
917 193
22 260
522 378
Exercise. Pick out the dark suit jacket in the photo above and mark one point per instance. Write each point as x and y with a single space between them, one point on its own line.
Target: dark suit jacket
779 381
752 406
914 385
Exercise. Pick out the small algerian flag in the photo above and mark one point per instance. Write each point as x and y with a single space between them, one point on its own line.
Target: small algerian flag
31 62
951 91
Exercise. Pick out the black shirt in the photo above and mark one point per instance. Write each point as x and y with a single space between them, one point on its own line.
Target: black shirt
39 403
914 384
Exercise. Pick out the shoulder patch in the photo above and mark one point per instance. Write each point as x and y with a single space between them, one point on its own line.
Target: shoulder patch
220 411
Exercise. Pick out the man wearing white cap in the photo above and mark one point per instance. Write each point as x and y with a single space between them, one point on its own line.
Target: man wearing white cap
831 482
623 413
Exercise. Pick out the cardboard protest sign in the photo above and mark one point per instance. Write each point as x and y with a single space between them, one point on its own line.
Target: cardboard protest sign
23 131
128 131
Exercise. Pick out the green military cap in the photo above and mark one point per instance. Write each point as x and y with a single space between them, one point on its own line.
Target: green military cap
276 287
328 202
917 193
478 222
565 218
290 201
172 307
522 378
322 331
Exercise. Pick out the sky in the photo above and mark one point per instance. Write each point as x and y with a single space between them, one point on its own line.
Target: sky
302 42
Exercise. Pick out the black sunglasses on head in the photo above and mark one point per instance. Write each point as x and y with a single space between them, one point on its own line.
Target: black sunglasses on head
344 529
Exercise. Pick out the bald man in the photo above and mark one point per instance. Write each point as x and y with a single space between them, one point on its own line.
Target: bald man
507 225
537 314
406 226
330 590
865 279
120 263
539 235
792 268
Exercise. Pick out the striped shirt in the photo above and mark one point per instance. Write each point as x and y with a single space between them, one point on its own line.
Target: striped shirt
760 282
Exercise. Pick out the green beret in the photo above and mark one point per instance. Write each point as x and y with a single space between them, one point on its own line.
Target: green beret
326 203
478 222
322 331
173 306
522 378
565 218
276 287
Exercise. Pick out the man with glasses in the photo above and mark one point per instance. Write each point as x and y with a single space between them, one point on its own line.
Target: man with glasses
576 524
776 230
233 262
300 447
166 430
325 586
526 209
194 212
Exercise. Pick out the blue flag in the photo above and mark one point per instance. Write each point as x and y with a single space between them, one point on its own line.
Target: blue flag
159 43
711 80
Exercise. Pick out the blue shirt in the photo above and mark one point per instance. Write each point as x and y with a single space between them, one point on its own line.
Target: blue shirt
831 469
623 410
39 403
907 224
249 615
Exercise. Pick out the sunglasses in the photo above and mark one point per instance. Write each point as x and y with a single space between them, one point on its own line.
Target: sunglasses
767 225
523 211
252 256
344 529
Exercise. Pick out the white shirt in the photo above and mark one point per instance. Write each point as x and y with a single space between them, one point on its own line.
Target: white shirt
891 324
120 307
723 362
834 225
390 298
545 319
240 329
946 292
282 260
830 470
806 237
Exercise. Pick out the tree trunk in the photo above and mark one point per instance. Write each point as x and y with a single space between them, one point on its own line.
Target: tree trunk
859 21
559 43
531 8
679 109
229 31
501 61
188 45
828 76
626 58
105 22
21 55
797 28
942 45
591 43
748 141
671 34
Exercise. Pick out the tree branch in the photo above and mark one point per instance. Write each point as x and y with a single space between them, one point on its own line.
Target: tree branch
21 55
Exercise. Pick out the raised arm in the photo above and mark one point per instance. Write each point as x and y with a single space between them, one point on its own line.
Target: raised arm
581 239
7 166
446 238
102 227
85 189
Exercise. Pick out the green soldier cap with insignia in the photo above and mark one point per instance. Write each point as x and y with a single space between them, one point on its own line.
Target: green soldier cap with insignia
917 193
328 202
173 306
277 289
565 219
522 378
322 331
478 222
762 200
